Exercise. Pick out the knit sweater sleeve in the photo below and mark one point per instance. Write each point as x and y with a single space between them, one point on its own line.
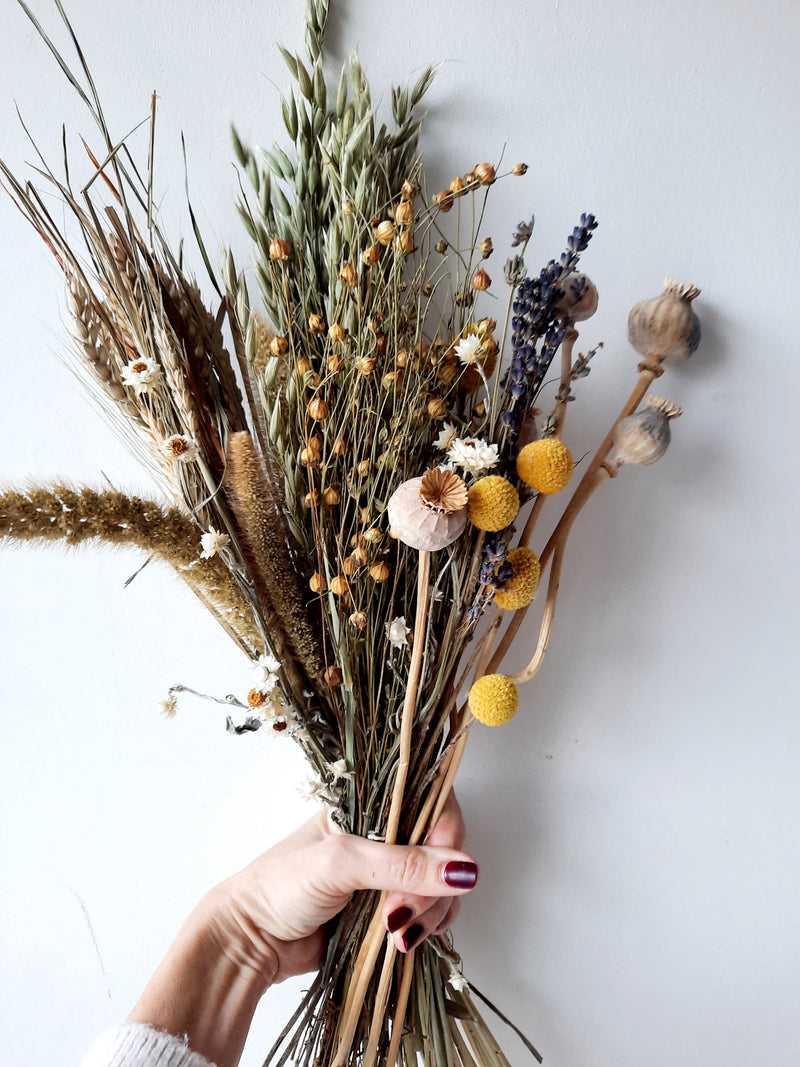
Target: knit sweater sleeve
139 1045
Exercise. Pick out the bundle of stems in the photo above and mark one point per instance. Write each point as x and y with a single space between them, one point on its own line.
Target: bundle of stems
371 364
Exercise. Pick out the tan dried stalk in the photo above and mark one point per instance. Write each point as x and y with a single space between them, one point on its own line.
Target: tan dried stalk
58 512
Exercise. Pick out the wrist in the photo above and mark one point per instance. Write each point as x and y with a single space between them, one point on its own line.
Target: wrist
209 983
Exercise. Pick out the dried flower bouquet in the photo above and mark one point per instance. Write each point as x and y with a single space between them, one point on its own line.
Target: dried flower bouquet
345 489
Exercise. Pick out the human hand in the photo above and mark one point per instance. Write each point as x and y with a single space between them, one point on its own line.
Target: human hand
271 914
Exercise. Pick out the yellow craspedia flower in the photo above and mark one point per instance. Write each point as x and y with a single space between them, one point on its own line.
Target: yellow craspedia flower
520 587
494 699
545 465
493 503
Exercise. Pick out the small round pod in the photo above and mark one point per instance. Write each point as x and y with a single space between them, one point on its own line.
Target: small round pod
493 503
494 699
519 590
666 326
545 465
643 437
579 301
430 512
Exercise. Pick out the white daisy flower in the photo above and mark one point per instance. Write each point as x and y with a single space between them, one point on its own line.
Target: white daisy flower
446 436
213 542
265 673
339 770
468 349
141 375
473 454
180 449
398 632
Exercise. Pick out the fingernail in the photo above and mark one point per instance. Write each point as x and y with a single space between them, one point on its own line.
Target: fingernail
460 875
412 935
399 917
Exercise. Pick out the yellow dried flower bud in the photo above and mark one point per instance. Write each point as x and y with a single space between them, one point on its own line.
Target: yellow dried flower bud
317 583
519 169
279 346
444 201
485 173
339 585
318 409
518 591
493 503
385 231
545 465
358 620
279 249
404 213
371 255
379 572
316 324
481 280
333 676
437 407
347 275
494 699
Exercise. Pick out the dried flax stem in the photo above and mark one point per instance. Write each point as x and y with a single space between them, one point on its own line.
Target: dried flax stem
379 1006
398 1022
362 972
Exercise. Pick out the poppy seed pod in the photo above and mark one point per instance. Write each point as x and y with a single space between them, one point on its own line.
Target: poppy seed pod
666 327
643 437
429 513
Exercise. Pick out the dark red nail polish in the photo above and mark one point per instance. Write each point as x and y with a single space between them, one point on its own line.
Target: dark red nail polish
412 935
460 875
399 917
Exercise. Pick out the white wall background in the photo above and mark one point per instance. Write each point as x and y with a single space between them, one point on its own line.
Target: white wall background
637 822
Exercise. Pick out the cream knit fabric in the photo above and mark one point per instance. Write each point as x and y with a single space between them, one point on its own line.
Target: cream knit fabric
139 1045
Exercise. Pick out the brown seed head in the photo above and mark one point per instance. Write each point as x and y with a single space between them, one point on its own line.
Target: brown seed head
404 213
364 468
335 363
371 255
350 565
318 409
311 499
486 247
379 572
348 207
404 242
337 333
372 535
385 232
316 324
444 201
401 359
303 366
519 169
437 407
410 190
333 676
339 585
358 620
317 583
339 447
485 173
347 275
279 346
481 280
279 249
365 364
456 185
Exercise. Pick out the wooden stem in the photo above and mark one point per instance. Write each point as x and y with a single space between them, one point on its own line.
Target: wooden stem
595 474
398 1022
570 337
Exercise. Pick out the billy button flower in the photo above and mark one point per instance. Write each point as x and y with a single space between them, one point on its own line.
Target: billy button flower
493 503
545 465
494 699
519 589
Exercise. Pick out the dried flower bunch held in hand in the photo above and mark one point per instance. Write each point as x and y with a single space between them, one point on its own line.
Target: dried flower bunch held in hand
356 457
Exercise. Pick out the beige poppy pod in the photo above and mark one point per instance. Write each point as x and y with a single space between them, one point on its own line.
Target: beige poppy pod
430 512
666 326
643 438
